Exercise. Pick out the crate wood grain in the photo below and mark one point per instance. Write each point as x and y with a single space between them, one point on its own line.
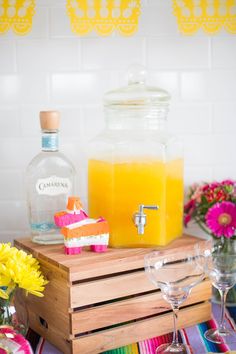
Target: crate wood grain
97 302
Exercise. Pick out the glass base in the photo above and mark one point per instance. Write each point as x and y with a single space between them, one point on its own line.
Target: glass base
218 336
170 348
48 239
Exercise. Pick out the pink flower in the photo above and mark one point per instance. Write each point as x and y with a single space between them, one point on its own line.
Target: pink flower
214 185
187 219
205 187
190 205
221 219
197 195
227 182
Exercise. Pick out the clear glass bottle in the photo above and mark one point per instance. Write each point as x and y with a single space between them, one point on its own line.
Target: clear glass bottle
50 180
135 168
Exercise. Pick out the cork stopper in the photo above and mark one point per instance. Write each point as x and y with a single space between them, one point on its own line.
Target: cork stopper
49 120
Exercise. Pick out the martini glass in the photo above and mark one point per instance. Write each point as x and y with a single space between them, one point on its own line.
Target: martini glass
221 269
220 266
175 275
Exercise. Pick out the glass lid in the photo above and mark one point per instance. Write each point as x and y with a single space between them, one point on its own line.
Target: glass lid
136 94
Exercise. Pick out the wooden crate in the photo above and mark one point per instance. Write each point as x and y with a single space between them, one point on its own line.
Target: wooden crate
96 302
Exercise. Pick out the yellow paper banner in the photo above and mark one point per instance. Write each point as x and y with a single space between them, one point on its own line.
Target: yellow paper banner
16 14
104 16
210 15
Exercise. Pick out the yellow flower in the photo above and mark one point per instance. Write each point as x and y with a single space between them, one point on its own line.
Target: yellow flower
18 269
5 280
5 251
3 294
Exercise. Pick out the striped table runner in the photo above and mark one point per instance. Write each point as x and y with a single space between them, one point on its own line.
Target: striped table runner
192 335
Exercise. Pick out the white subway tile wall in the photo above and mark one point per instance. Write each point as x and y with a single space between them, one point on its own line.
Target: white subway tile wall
51 68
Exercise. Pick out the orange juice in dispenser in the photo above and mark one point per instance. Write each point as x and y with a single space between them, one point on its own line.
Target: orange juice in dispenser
135 168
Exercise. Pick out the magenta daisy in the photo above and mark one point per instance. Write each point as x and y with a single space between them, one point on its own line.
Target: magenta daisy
221 219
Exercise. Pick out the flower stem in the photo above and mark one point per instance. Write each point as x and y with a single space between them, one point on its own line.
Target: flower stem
202 227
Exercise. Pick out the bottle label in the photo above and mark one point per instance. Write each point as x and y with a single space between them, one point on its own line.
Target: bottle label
50 141
53 185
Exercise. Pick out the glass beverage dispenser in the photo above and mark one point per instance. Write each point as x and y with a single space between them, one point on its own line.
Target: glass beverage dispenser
135 170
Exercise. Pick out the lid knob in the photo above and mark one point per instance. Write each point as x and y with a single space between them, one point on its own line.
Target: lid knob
137 74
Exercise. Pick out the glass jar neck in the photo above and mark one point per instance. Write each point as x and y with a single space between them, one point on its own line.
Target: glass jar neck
136 118
50 140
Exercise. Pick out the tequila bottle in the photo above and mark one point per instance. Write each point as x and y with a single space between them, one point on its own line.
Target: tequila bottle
50 180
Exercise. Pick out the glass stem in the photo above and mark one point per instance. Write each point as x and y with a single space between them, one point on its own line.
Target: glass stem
223 294
175 317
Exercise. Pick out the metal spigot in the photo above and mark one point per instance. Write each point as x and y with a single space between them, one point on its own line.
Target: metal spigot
140 218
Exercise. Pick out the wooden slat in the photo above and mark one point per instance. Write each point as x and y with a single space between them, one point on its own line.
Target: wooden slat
131 333
134 308
113 261
110 288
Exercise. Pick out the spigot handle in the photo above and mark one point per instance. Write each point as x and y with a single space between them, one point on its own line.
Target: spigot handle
152 207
